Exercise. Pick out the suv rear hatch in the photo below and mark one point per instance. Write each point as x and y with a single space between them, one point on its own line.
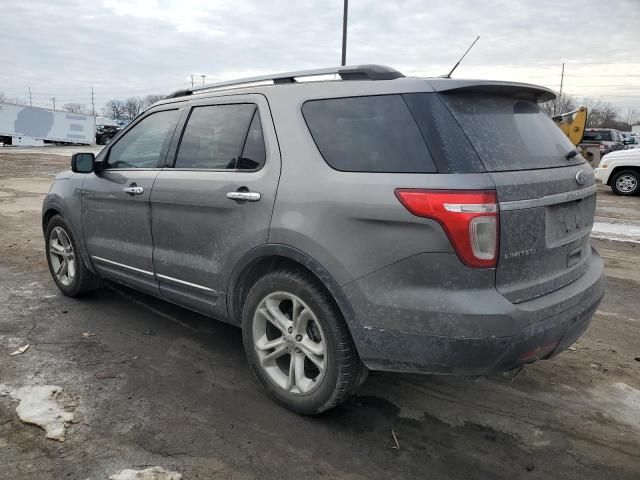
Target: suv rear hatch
546 197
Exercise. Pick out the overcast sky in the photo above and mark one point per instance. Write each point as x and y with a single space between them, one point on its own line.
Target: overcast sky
62 48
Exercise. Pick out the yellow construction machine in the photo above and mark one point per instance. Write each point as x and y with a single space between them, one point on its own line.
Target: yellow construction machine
573 125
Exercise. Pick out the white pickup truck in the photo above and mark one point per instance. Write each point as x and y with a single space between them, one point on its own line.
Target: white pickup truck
621 171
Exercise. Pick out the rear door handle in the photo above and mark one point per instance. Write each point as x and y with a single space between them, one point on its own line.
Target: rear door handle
133 189
244 196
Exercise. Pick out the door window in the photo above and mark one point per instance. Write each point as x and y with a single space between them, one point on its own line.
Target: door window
145 144
222 137
253 154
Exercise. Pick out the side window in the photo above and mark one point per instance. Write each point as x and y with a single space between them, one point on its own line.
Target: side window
146 144
368 134
215 136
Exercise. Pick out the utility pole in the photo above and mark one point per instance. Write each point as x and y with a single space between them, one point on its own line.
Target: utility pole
30 102
192 80
555 102
203 77
54 102
344 32
93 107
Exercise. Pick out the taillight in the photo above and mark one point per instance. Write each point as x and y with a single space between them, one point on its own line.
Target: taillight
469 218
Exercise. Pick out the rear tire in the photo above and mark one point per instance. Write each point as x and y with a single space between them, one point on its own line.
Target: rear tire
298 344
626 182
64 258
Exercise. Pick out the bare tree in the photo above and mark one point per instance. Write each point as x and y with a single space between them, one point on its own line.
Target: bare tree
601 114
75 108
132 107
13 100
562 104
150 100
114 109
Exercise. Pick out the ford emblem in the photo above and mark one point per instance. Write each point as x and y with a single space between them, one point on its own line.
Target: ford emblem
581 177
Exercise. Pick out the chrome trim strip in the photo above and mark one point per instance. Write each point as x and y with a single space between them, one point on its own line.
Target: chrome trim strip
100 259
189 284
549 199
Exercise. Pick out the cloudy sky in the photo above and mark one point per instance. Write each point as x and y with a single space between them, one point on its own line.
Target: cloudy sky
62 48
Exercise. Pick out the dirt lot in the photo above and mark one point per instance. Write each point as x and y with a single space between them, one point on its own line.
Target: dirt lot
159 385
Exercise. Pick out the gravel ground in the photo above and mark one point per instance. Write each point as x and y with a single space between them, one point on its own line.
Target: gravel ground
153 384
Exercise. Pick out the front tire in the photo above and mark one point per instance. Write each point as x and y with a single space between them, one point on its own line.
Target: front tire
298 344
626 182
65 262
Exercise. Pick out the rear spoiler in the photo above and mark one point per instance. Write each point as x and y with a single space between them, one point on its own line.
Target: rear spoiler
523 91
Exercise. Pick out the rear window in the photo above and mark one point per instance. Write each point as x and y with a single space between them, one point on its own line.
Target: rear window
597 136
510 134
368 134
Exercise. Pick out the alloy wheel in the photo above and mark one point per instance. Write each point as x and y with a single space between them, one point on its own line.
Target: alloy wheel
62 256
290 343
627 183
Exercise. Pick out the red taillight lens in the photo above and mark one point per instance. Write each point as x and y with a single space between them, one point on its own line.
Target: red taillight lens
469 217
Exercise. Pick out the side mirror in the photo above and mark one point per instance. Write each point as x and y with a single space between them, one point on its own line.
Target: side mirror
82 162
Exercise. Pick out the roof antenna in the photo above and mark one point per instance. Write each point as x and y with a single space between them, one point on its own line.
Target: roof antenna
465 54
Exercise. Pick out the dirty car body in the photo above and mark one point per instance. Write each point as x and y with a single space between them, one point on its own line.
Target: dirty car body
442 218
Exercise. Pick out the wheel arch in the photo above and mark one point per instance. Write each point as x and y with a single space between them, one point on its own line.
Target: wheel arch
50 210
266 258
48 213
619 168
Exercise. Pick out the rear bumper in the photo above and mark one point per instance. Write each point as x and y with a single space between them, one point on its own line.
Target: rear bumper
490 335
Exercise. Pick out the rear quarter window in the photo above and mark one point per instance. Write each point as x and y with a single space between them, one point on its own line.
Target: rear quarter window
368 134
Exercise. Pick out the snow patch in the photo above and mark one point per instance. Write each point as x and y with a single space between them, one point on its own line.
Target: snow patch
620 232
153 473
620 402
38 405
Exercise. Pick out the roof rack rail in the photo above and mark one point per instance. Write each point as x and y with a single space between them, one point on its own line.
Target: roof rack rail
355 72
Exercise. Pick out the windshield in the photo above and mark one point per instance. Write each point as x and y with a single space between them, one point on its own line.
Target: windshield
510 134
597 136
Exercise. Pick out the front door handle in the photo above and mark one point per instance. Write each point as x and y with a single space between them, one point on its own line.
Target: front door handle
244 196
133 189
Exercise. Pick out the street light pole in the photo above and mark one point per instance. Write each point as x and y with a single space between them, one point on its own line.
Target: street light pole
203 77
344 32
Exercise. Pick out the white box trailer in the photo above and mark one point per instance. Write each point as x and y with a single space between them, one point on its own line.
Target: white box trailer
32 125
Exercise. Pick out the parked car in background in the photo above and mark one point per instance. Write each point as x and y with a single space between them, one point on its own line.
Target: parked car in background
403 224
621 171
104 133
630 140
606 139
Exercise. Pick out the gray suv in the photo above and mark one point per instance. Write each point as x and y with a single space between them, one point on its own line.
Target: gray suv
347 219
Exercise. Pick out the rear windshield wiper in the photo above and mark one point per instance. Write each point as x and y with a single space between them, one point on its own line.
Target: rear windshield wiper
571 154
